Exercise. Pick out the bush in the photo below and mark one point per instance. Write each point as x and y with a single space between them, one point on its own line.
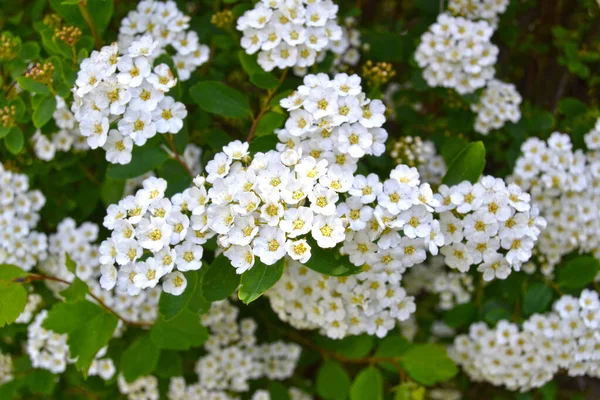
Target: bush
286 199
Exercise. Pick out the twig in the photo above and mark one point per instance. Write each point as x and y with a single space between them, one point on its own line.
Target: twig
176 155
265 107
90 22
554 287
39 277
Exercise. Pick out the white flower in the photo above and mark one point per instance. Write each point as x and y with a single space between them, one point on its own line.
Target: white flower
298 250
174 283
189 256
327 231
269 246
169 115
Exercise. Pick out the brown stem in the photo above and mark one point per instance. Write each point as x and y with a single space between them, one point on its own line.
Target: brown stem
90 22
39 277
176 155
265 107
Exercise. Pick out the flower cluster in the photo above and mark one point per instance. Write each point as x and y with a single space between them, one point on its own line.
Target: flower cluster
167 26
64 140
565 185
33 302
169 230
457 53
421 154
488 224
268 205
78 244
528 357
347 48
289 33
19 214
371 302
452 287
6 368
234 358
498 103
488 10
143 388
126 92
333 120
49 350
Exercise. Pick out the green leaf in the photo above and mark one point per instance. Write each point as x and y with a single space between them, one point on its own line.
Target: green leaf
461 314
351 346
43 113
259 279
571 107
263 144
32 86
176 176
70 264
170 364
409 391
170 306
13 296
428 364
467 165
181 333
139 359
391 346
268 123
9 390
14 141
326 261
144 159
85 339
367 385
537 298
40 382
332 381
578 273
112 190
29 50
76 291
249 63
264 80
278 391
220 279
217 98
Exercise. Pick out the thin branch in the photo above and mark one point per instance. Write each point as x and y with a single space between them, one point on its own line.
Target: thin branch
90 22
265 107
176 155
39 277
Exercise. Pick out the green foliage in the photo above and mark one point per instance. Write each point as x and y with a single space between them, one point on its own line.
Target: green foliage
428 364
578 273
217 98
85 339
259 279
170 306
368 384
537 298
76 291
144 158
220 279
13 295
467 165
329 262
180 333
332 381
140 358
